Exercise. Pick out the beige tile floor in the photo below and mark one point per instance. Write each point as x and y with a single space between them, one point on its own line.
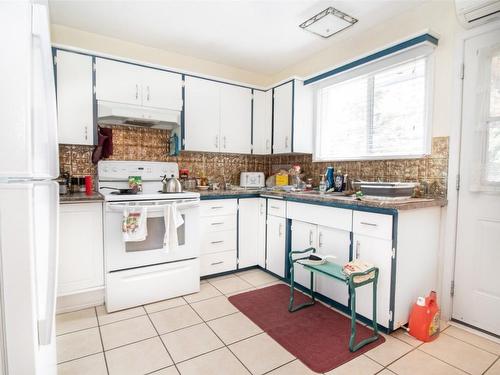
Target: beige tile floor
204 334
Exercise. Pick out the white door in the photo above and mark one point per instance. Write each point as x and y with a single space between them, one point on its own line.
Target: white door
283 115
332 241
477 280
118 82
161 89
81 257
235 119
74 98
275 255
262 121
202 115
304 235
378 252
250 245
28 125
28 249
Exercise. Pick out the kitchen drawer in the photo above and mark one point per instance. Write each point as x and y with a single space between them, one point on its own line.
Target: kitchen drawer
136 286
371 224
213 242
218 262
218 207
218 223
332 217
276 207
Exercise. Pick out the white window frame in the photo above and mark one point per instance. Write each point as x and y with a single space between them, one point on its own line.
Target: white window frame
422 51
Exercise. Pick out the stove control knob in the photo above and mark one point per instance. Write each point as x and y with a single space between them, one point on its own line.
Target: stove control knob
105 170
115 169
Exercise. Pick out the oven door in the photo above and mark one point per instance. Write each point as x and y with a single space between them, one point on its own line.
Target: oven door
121 255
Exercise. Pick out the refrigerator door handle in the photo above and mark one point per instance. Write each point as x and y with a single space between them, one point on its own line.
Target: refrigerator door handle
44 138
46 322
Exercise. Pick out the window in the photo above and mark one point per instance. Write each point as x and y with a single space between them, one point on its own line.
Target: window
492 154
376 115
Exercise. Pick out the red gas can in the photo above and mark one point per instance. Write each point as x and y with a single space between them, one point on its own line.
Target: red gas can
425 318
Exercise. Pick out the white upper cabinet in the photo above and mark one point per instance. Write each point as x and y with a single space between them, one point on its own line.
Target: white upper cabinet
262 121
132 84
217 116
202 115
161 89
283 118
74 98
118 82
236 119
293 118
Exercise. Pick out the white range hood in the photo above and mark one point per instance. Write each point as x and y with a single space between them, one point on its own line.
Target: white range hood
127 114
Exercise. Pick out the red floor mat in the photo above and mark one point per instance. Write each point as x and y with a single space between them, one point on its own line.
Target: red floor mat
316 335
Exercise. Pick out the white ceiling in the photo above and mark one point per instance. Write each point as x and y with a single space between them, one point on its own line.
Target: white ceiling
255 35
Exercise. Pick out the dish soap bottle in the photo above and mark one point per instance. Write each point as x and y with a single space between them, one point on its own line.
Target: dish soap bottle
322 185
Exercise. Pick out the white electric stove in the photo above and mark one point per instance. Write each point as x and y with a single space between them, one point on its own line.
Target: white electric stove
147 271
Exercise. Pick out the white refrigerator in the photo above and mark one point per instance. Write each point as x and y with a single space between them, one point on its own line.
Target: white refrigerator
29 199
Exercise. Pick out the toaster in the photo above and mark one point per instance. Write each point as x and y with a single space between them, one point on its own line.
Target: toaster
253 180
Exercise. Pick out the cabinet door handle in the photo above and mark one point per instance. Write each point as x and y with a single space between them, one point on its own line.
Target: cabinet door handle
320 239
310 238
86 132
216 242
261 209
275 207
216 141
216 207
286 142
369 224
216 223
268 143
216 263
137 91
147 88
358 249
224 141
280 230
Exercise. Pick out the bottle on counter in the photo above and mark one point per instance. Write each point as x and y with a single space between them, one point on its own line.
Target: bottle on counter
322 185
329 179
338 184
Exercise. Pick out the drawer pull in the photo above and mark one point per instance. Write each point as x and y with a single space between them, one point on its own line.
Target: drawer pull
215 242
216 223
275 207
369 224
216 263
216 207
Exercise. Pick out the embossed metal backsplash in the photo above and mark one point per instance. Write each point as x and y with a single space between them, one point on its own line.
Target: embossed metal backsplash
132 143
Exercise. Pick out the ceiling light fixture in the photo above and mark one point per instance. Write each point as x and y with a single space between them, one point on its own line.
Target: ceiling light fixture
328 22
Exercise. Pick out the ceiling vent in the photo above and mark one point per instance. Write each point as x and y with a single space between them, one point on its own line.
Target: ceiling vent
328 22
476 12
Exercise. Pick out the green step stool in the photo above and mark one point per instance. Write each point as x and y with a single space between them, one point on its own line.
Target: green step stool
334 271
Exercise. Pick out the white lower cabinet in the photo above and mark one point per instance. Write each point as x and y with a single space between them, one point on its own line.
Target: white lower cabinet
276 245
218 236
80 248
303 236
251 232
377 251
336 242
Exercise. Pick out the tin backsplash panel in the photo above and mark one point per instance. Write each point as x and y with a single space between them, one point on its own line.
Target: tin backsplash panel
431 170
133 143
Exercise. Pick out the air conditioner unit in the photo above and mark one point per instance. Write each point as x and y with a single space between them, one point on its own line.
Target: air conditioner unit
472 13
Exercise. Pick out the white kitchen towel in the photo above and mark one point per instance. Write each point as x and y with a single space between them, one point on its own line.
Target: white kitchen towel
134 226
173 220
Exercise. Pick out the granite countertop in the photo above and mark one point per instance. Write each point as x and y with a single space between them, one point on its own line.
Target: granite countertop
334 199
81 198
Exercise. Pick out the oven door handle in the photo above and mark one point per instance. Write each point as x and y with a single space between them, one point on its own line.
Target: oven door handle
150 207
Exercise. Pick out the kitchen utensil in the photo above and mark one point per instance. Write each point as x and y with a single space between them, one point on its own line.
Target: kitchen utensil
171 185
120 191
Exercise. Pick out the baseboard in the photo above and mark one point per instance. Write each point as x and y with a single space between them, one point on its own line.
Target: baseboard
79 301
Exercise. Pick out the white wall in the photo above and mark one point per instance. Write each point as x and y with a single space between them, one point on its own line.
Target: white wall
437 16
120 48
